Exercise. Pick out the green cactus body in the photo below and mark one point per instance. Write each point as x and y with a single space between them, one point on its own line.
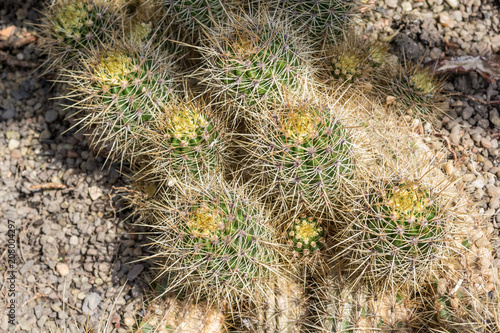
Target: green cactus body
307 152
126 93
306 235
321 20
72 26
256 65
196 15
417 91
185 144
221 246
400 234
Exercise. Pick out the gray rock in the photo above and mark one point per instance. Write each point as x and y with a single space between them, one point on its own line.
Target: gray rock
90 303
495 117
26 267
19 94
51 116
467 113
134 272
9 113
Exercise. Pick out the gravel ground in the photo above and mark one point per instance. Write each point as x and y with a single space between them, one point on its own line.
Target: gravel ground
74 249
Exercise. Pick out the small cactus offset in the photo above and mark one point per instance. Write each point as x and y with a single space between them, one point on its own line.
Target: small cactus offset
306 235
355 62
417 91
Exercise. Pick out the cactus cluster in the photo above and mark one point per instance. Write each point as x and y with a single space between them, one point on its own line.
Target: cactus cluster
274 165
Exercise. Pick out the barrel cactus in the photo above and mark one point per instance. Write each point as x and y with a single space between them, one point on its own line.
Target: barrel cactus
254 63
399 235
217 244
185 144
124 90
338 305
322 20
305 152
71 27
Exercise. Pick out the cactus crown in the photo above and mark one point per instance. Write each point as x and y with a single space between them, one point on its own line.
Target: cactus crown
306 235
224 240
405 224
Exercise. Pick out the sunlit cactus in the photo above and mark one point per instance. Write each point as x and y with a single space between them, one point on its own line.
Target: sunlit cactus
339 306
254 63
322 20
217 243
305 152
184 144
124 91
282 309
276 166
195 16
399 235
71 27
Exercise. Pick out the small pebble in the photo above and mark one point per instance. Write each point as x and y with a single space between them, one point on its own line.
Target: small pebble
51 116
62 269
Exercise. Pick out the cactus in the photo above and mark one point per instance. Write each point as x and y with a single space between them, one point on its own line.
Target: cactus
323 21
306 235
306 151
399 235
73 26
197 15
354 63
418 92
340 306
254 63
184 144
282 309
217 244
125 90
